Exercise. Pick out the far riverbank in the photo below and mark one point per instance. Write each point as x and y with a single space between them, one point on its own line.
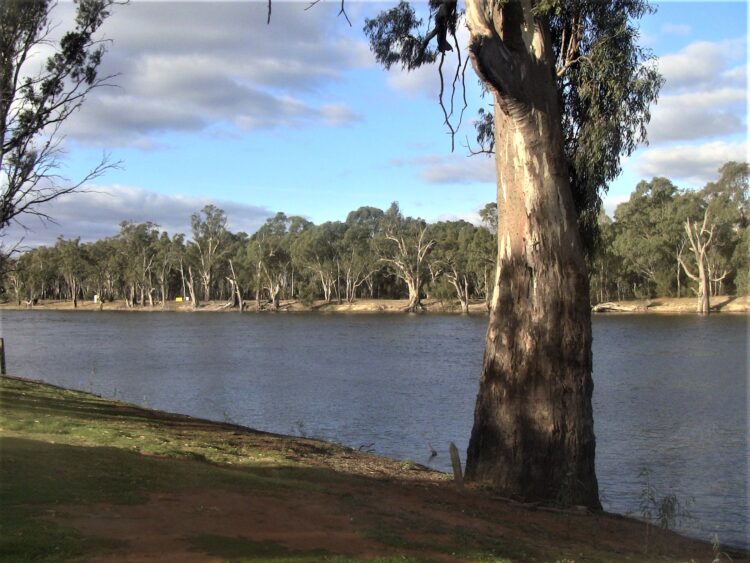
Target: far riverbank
719 304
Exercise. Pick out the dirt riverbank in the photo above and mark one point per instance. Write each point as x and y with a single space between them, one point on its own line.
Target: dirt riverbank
83 478
723 304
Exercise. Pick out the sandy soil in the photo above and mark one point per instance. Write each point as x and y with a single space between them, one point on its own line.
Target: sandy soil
358 306
723 303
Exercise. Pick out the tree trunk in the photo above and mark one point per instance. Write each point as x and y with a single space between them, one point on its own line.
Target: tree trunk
488 293
461 285
415 299
235 287
704 304
533 434
465 306
700 240
258 289
325 286
191 288
182 277
274 294
349 289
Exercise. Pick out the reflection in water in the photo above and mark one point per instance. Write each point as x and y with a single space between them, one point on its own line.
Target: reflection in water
670 391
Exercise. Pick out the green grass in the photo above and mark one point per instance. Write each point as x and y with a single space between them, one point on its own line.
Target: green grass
61 447
64 447
241 550
25 537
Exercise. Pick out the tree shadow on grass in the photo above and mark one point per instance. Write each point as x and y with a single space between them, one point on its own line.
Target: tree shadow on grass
36 476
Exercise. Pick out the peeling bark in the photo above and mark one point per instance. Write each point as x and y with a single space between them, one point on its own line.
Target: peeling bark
700 239
533 435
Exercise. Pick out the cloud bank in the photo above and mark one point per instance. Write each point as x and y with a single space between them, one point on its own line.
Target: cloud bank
97 214
694 164
182 67
700 121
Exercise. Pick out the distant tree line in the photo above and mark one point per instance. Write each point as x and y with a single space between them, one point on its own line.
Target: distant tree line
663 241
373 254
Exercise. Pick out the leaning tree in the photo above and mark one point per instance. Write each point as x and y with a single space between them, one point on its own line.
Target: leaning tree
37 96
571 91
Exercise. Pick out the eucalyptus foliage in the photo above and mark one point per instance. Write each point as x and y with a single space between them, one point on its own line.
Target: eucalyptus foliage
605 92
34 103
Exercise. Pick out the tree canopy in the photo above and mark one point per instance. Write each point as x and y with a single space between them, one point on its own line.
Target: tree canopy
606 82
34 103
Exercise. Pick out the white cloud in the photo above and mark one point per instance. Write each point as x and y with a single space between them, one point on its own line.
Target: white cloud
470 217
705 93
97 214
736 76
339 115
610 203
188 66
699 64
697 115
454 169
694 164
423 81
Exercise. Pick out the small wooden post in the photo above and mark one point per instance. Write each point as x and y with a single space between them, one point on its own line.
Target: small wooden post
2 356
456 462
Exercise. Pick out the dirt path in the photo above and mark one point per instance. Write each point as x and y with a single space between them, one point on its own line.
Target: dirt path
423 522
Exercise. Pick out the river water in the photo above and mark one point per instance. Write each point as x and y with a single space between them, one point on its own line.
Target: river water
670 395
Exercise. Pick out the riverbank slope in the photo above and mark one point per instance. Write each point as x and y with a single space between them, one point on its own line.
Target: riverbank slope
82 476
722 303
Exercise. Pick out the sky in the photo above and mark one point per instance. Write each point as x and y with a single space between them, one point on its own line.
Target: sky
212 105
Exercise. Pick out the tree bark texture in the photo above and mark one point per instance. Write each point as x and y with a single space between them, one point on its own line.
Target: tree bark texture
533 434
699 239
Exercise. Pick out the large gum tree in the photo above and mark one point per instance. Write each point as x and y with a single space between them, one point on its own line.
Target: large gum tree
571 91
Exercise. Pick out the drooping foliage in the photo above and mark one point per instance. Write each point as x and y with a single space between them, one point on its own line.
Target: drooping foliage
370 255
395 38
637 256
606 83
640 253
34 103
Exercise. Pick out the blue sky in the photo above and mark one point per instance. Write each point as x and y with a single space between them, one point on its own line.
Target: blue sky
212 105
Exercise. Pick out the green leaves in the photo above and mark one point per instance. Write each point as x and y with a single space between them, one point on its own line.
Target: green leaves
34 105
638 255
394 38
606 94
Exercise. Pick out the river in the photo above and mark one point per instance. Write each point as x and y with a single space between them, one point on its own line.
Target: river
670 395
